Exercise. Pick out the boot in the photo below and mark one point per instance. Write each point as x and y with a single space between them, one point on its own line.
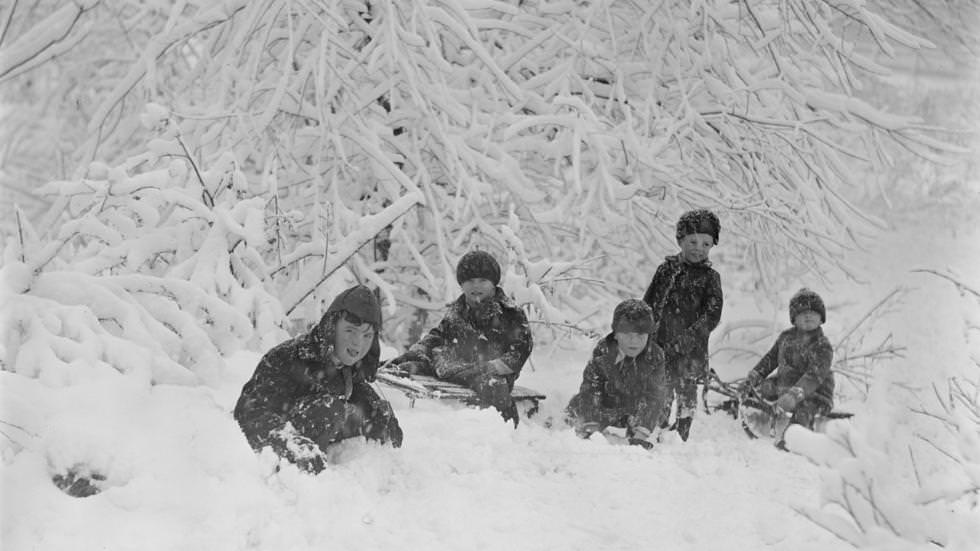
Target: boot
684 427
510 413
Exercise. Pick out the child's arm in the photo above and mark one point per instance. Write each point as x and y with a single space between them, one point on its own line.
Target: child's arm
519 343
768 363
700 330
421 351
654 296
593 384
818 369
711 310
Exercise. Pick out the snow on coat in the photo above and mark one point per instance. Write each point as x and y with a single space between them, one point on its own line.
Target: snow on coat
463 338
687 301
802 359
300 397
615 387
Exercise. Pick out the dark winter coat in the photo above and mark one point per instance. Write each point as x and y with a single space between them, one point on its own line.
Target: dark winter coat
686 300
614 387
802 359
299 376
460 338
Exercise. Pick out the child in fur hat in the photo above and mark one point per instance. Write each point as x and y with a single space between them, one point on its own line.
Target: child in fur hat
481 343
685 295
312 391
623 384
801 359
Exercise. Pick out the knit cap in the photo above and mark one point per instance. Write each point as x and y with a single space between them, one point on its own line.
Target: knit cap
698 221
633 316
804 300
478 264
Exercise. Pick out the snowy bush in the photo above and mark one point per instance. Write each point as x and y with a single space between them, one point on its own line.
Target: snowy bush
595 124
156 268
906 473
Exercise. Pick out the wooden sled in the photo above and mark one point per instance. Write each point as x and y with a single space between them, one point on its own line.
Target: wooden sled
758 417
429 388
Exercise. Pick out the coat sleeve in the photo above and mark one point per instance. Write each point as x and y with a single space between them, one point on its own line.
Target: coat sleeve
519 343
438 336
657 289
591 389
818 368
768 363
701 329
259 410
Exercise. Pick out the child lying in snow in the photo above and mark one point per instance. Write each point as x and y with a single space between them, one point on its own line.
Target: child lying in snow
623 384
312 391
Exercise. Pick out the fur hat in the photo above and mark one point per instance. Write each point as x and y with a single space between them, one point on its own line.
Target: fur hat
804 300
698 221
633 316
478 264
359 301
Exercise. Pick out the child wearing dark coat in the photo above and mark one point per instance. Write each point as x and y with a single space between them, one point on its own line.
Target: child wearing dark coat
481 343
801 359
312 391
686 297
623 384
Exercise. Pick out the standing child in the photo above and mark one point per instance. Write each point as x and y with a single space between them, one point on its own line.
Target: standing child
801 358
481 343
623 384
686 297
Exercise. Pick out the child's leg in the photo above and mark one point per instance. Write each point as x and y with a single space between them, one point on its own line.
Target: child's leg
672 382
807 411
687 394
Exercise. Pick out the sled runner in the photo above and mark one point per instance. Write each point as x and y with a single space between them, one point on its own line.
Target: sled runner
427 387
759 418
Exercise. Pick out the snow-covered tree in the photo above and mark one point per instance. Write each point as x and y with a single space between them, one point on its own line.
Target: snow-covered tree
552 133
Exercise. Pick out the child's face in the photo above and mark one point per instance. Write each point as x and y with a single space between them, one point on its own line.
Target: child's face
807 321
631 343
477 290
695 247
352 341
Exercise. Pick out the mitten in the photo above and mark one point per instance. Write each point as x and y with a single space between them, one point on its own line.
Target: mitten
409 356
684 344
790 399
641 437
498 367
751 381
410 367
584 430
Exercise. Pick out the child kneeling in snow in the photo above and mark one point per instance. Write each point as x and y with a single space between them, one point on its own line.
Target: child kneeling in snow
481 343
801 358
624 384
312 391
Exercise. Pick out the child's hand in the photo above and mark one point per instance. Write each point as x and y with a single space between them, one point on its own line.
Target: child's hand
790 399
751 381
586 429
641 437
498 367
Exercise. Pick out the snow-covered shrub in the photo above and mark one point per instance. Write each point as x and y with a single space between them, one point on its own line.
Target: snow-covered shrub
154 266
594 123
905 473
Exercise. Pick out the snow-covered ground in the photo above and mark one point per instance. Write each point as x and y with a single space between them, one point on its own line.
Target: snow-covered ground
179 474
